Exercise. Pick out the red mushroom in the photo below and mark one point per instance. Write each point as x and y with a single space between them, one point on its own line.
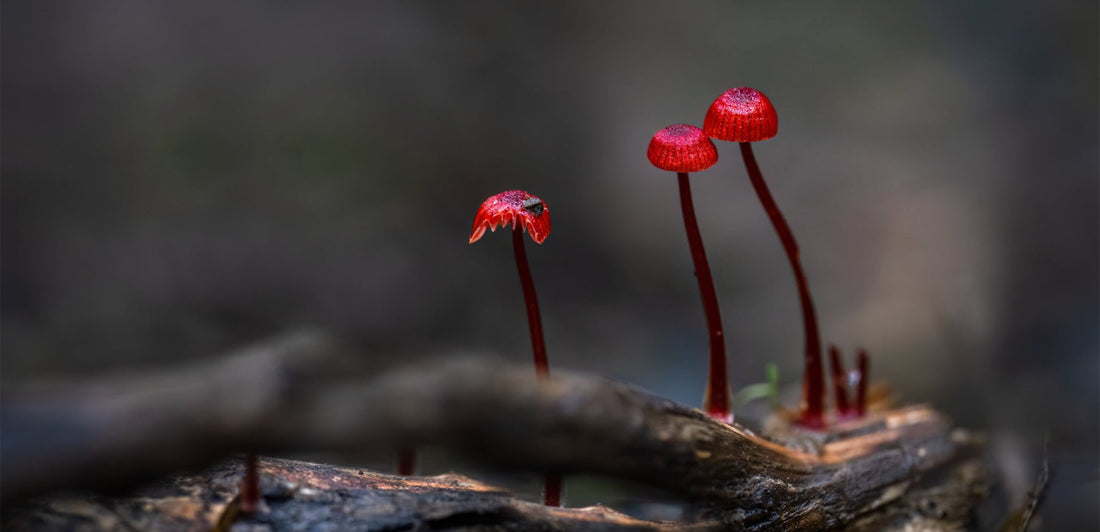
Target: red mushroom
745 115
682 148
525 213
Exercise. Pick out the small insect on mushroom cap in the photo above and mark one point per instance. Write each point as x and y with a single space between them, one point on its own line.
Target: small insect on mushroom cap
682 148
743 114
517 207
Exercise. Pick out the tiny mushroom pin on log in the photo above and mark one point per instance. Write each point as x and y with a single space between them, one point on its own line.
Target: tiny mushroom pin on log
842 380
683 148
526 213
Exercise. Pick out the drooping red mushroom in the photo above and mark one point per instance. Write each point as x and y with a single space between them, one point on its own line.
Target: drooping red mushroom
524 212
683 148
745 115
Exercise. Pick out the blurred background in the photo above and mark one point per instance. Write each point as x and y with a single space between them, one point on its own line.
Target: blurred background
180 178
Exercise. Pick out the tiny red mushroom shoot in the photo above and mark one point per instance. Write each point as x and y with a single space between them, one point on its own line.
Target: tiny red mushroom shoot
683 148
525 213
861 379
843 380
840 384
744 115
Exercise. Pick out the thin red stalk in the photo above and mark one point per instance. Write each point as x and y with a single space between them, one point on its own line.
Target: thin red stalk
551 491
534 320
716 400
813 383
406 462
861 386
250 486
840 382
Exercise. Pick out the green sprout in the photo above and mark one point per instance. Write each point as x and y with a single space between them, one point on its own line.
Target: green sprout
768 389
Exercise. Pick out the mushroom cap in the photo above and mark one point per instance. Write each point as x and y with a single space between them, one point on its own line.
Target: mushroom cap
517 207
743 114
682 148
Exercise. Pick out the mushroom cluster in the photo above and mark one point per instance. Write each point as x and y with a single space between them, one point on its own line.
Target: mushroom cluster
745 115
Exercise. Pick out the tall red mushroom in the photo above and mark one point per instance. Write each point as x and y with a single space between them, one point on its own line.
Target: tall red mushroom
524 212
683 148
745 115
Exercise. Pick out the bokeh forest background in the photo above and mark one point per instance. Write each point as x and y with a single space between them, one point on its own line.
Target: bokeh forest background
181 178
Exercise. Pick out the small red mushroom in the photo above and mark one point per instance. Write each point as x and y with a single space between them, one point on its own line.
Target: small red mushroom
745 115
524 212
682 148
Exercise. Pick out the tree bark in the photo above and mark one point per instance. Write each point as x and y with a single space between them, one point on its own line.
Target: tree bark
891 469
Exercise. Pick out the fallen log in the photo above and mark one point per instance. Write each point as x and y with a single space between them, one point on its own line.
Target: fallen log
889 470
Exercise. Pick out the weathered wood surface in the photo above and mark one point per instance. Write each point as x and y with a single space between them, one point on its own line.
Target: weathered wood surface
305 496
896 468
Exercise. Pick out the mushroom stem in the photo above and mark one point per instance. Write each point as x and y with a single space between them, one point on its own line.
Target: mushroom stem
812 409
551 489
840 382
716 399
534 320
250 487
861 386
551 485
406 462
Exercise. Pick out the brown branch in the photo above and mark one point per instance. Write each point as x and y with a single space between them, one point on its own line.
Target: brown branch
504 417
113 431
